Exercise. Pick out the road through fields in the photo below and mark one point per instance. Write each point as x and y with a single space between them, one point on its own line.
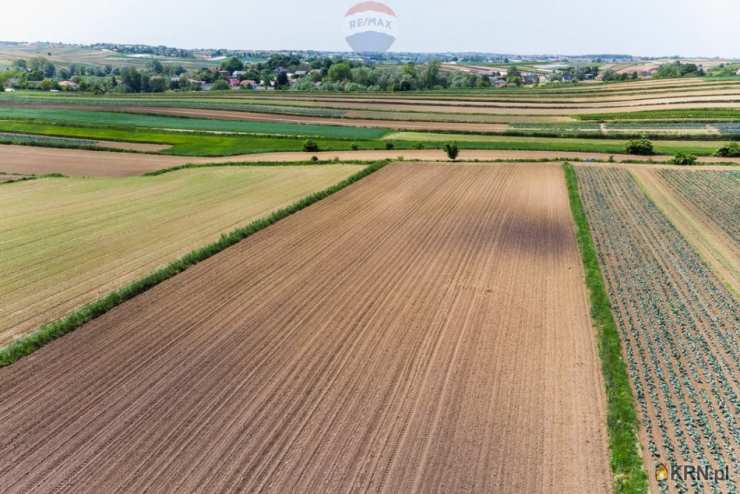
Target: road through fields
424 330
82 162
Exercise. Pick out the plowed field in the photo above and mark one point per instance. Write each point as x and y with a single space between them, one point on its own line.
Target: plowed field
424 330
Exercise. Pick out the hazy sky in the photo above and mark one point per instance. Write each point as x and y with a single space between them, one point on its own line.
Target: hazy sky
638 27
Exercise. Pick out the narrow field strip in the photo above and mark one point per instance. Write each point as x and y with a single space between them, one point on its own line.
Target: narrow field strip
424 330
718 250
66 243
626 461
81 162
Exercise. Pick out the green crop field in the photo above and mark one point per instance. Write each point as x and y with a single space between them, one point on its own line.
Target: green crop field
115 119
472 141
703 114
183 143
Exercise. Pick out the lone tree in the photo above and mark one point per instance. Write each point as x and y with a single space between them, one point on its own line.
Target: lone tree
232 64
732 150
684 159
452 151
310 146
642 147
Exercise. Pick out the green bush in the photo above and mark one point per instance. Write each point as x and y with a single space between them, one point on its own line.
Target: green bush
641 146
355 147
390 145
452 151
732 150
684 159
310 146
220 85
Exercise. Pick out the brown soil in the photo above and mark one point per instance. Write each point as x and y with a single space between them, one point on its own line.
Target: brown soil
81 162
425 330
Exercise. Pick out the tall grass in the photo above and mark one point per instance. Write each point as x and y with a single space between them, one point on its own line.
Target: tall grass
47 333
622 423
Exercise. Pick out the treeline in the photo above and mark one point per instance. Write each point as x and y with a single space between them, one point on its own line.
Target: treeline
40 73
332 74
610 75
677 69
159 51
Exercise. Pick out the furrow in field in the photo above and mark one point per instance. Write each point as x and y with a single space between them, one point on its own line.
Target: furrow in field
424 330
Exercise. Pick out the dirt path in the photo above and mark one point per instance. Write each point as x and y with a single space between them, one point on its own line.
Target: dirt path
425 330
717 250
81 162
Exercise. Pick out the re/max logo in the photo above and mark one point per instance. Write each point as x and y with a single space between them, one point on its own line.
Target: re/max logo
370 22
693 472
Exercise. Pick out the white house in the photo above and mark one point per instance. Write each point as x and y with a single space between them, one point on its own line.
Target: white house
68 85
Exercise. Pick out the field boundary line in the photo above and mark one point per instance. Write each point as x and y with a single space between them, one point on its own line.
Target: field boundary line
27 178
29 343
265 164
622 424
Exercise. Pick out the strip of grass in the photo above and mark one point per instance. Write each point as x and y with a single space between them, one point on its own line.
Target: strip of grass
184 143
26 178
151 121
700 114
622 424
588 145
189 166
47 333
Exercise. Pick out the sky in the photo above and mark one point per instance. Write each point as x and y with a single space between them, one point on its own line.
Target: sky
635 27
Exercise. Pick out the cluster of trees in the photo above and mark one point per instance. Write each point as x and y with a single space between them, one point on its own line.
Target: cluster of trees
159 51
724 70
39 73
342 75
610 75
308 73
678 69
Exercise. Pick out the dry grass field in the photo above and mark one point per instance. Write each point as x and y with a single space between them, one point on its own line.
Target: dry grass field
705 207
66 242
